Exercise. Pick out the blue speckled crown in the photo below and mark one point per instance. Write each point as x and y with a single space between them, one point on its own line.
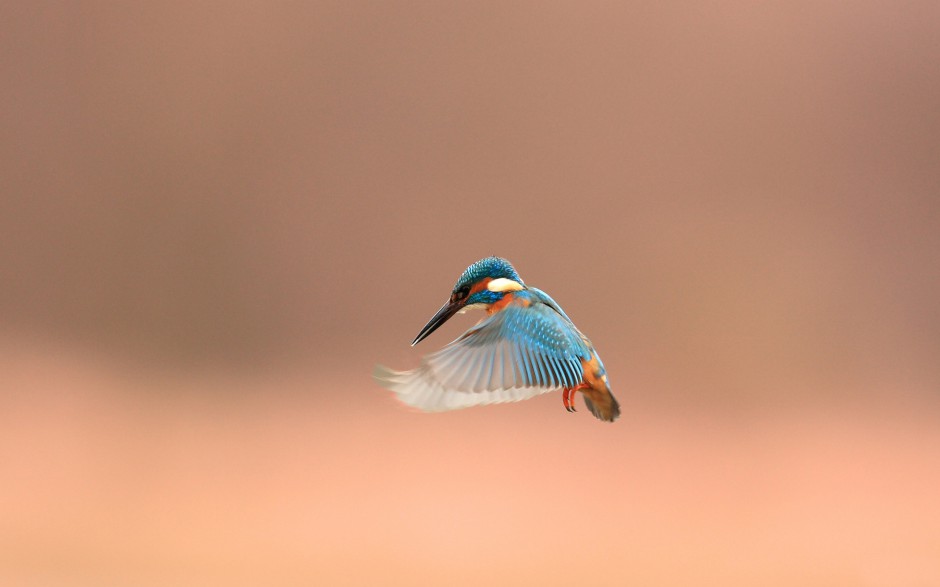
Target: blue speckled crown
494 267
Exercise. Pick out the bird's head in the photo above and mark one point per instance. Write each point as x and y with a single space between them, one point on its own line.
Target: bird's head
481 284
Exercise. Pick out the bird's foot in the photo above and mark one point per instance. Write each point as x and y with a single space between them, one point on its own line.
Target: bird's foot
567 397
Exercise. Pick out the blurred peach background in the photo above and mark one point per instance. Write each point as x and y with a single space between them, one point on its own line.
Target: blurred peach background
216 218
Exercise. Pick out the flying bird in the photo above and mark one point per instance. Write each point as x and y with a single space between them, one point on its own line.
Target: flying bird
525 346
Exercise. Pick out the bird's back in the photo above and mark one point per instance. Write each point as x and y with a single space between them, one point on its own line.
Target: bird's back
597 396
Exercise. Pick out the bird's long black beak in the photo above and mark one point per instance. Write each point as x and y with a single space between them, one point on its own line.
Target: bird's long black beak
446 311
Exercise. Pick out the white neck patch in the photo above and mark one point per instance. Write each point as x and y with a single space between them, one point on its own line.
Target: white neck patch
503 284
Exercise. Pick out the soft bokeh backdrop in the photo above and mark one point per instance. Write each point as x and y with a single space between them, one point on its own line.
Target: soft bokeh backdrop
215 218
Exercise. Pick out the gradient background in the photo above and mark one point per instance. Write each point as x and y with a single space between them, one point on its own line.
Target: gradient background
215 219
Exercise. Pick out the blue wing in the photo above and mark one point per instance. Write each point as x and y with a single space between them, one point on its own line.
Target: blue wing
515 354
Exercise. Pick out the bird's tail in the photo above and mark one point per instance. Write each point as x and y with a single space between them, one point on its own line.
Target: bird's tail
602 404
596 392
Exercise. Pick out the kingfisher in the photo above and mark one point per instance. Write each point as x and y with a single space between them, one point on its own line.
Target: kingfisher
525 346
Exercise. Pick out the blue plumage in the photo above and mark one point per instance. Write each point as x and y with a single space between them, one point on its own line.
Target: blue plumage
493 267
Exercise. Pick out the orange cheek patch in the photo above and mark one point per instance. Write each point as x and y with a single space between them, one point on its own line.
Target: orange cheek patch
480 285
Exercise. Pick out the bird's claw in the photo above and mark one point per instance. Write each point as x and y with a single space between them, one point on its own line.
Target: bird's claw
567 398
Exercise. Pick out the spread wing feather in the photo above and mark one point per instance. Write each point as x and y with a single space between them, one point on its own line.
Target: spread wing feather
515 354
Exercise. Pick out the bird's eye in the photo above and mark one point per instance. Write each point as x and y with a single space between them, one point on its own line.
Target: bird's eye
461 293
